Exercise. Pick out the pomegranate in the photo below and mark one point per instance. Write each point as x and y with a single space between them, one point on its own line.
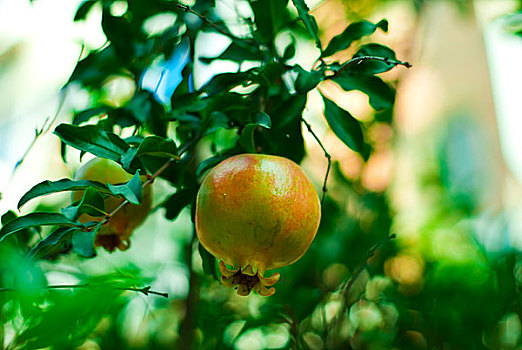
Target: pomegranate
256 212
115 233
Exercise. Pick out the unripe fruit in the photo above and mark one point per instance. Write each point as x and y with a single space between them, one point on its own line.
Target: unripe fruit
256 212
117 231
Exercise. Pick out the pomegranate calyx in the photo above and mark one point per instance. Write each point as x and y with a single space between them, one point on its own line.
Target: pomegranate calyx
244 283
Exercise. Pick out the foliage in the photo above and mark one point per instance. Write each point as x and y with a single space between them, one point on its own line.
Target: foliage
257 108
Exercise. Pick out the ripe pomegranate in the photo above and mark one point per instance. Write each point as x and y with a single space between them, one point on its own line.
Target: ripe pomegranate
256 212
116 233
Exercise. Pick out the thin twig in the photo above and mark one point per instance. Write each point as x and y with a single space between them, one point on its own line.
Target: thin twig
359 60
145 290
214 25
348 285
38 132
326 154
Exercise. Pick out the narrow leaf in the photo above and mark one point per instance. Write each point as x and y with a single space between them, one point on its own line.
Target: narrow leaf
307 81
131 191
208 262
127 158
49 187
55 243
158 147
179 200
90 138
345 126
289 111
35 219
226 81
353 32
289 51
83 243
373 66
209 163
380 94
87 114
237 53
246 140
308 20
83 10
92 203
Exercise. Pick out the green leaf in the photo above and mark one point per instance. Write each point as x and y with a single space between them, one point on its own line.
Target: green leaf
237 53
87 114
35 219
127 158
209 262
289 51
345 127
308 20
83 243
90 138
94 69
158 147
270 17
215 121
179 200
307 81
92 203
151 149
246 140
59 241
226 81
131 191
23 237
144 109
353 32
121 33
209 163
7 216
49 187
83 10
289 110
373 66
380 94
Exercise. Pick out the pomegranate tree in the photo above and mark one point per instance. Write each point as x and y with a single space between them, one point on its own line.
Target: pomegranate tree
256 212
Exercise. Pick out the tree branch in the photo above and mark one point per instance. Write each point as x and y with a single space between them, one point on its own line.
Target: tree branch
326 154
38 132
214 25
348 285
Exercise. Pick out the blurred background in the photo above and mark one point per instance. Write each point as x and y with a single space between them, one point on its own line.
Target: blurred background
446 177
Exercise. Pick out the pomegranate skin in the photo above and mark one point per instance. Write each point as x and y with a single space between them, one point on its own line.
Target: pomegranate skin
256 212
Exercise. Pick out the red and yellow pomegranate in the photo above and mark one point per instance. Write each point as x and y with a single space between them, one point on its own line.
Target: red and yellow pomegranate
115 233
256 212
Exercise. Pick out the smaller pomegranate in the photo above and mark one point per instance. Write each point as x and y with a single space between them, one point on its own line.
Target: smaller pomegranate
116 233
256 212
